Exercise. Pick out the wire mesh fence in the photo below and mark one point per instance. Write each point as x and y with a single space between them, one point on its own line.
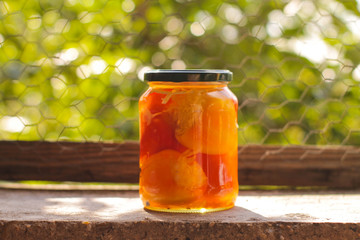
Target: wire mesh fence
71 70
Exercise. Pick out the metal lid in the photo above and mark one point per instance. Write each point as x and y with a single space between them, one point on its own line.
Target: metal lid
194 75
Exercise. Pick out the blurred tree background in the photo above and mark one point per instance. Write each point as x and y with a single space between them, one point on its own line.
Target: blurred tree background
71 70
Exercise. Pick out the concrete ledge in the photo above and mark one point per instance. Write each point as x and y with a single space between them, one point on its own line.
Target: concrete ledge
119 215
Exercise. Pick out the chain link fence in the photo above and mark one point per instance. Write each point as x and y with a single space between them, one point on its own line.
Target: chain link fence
71 70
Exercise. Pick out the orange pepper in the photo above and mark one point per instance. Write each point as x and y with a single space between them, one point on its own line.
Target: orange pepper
206 122
171 177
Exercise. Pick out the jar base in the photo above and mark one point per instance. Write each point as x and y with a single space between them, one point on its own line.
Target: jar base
187 210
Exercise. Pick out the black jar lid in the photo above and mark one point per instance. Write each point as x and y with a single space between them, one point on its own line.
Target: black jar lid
194 75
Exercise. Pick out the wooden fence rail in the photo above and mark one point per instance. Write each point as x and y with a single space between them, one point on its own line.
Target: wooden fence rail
333 166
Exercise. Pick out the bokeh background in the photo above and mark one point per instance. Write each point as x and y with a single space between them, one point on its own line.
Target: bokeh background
72 70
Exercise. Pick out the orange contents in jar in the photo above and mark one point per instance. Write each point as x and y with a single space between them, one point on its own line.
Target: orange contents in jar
188 147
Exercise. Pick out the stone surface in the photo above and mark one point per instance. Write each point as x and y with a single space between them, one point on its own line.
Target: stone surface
26 214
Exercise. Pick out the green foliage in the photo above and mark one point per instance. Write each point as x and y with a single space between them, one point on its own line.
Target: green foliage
70 69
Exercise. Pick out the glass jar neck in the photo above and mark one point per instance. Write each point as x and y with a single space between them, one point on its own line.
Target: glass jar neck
188 84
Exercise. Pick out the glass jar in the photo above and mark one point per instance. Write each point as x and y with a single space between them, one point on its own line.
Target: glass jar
188 141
